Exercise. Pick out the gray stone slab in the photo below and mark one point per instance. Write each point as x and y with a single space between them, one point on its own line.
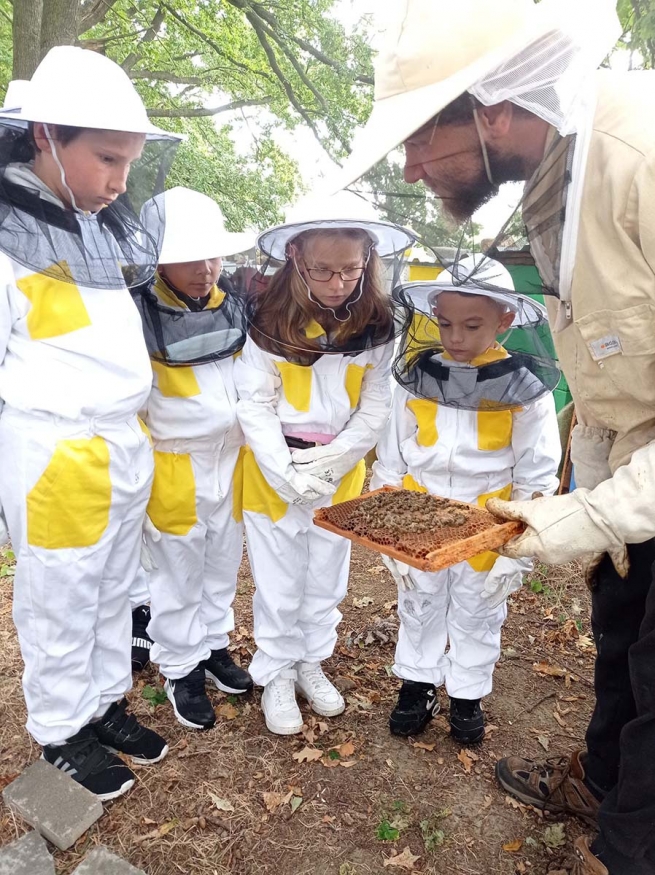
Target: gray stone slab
28 855
102 862
54 804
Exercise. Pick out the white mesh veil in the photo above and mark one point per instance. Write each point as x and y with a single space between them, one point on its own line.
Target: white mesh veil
553 78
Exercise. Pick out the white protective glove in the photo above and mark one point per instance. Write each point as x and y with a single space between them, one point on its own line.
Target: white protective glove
560 529
304 489
147 561
399 571
328 463
505 577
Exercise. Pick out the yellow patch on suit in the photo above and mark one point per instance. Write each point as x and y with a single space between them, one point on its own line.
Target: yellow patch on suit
426 417
494 429
258 495
351 484
485 561
354 380
314 330
411 484
144 428
172 505
57 305
176 382
69 505
296 384
237 488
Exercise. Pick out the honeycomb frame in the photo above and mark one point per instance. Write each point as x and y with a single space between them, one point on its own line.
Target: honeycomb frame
441 548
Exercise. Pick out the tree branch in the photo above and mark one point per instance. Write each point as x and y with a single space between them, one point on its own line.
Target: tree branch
163 76
213 45
96 13
202 112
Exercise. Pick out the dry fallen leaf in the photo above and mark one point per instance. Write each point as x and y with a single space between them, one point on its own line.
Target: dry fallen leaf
272 801
295 802
308 755
364 602
221 804
347 749
423 746
229 712
405 860
347 763
466 760
165 828
513 847
487 801
328 818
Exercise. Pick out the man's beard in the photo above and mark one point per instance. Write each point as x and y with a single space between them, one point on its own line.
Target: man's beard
470 197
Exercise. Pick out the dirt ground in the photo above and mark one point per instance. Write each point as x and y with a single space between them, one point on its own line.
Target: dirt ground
347 798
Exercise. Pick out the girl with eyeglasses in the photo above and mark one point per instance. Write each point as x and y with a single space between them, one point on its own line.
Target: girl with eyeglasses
314 395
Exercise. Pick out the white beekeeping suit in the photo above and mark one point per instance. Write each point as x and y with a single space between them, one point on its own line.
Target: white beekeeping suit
333 399
195 507
507 449
75 461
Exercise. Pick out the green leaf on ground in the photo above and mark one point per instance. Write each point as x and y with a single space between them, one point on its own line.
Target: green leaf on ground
154 695
387 833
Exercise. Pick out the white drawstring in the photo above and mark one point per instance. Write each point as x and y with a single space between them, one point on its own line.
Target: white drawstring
61 171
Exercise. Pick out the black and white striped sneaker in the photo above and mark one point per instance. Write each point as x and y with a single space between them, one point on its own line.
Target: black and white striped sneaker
141 641
86 761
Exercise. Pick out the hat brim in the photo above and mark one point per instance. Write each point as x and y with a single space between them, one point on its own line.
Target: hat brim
225 244
520 305
388 238
394 119
152 132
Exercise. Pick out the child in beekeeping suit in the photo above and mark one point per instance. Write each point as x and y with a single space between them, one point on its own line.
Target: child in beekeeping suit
314 395
75 461
469 421
195 326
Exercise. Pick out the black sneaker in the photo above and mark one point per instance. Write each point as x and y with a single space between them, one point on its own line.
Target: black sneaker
121 732
416 706
86 761
190 701
141 641
226 674
466 720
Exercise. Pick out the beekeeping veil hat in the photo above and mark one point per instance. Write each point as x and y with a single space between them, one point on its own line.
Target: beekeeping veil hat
516 371
77 88
384 253
540 56
195 231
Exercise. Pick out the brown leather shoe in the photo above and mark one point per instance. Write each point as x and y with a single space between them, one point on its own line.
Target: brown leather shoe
585 863
556 785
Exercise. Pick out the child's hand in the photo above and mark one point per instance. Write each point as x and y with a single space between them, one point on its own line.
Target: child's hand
400 573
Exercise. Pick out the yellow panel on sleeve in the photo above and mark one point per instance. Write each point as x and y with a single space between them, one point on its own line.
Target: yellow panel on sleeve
297 384
144 428
354 379
176 382
57 305
172 505
485 561
426 417
494 429
69 505
258 495
351 484
410 483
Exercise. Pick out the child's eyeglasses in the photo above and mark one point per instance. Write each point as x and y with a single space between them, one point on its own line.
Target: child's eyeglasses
323 275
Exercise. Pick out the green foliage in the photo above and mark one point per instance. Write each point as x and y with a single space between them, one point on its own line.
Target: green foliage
638 20
386 833
154 695
196 62
433 837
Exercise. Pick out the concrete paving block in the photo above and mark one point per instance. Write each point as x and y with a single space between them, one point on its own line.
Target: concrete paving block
54 804
28 855
102 862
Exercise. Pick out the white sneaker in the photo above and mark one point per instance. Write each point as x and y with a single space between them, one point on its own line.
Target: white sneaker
324 698
279 705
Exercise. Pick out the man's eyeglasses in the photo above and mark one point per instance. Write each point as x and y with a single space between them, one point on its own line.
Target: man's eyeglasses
323 275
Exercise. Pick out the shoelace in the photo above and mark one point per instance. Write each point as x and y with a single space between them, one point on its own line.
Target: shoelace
284 693
122 723
316 677
195 682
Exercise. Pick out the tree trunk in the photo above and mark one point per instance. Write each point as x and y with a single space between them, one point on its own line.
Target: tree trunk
26 37
59 24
